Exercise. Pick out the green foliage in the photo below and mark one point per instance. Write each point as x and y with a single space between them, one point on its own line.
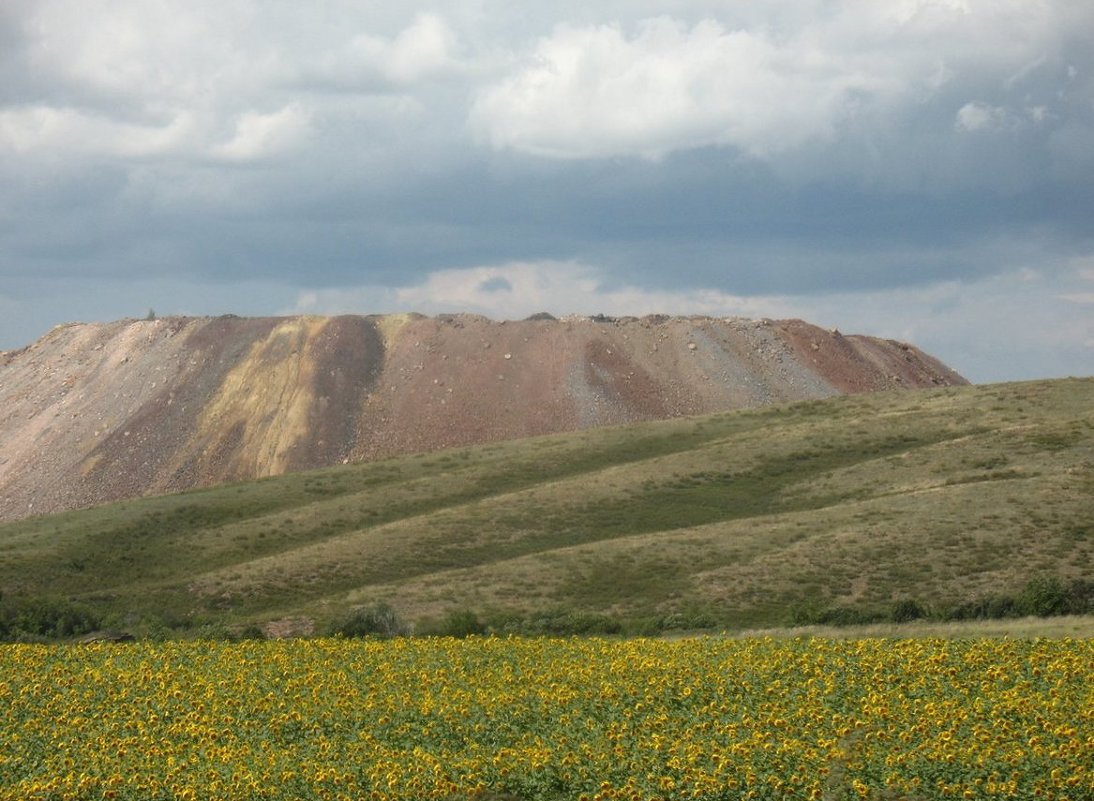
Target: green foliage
692 619
47 618
907 609
1042 596
836 616
251 632
566 622
988 607
378 620
457 623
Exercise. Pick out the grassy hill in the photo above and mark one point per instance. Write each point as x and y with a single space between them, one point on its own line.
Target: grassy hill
742 519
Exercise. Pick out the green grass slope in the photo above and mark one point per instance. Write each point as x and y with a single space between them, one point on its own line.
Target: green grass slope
740 519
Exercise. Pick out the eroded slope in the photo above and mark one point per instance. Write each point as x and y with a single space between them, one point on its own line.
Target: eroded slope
99 412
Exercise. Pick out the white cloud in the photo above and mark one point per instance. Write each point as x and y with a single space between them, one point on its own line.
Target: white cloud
422 49
980 116
1000 328
766 88
207 79
1083 294
156 51
1005 327
595 92
368 61
517 290
259 135
48 130
219 80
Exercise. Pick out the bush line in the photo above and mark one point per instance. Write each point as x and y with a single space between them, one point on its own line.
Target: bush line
54 619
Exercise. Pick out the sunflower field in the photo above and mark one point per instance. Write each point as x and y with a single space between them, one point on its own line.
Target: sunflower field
549 719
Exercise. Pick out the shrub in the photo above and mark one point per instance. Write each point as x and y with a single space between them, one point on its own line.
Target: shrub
572 621
378 620
989 607
559 621
1080 597
690 619
907 609
804 615
1043 596
848 616
457 623
46 618
252 631
834 616
461 623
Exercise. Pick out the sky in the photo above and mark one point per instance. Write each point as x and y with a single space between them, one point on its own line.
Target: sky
920 170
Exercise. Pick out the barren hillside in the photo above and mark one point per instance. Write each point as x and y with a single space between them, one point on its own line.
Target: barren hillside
97 412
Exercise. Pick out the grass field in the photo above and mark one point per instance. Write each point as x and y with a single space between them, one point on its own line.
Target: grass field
738 520
1076 627
549 719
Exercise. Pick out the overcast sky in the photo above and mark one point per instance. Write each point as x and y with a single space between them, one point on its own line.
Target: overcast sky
909 169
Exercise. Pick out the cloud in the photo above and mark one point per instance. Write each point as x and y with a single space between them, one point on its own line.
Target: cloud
976 116
424 48
805 77
980 116
1005 327
368 62
595 92
517 290
221 81
44 129
259 135
1084 294
126 56
598 156
1011 326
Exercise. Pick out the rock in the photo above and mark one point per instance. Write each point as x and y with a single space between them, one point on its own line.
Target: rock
106 636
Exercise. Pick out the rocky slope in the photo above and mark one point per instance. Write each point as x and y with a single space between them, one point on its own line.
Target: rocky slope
98 412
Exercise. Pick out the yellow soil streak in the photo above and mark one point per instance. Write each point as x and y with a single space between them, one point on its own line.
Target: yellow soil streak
270 392
389 326
89 464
